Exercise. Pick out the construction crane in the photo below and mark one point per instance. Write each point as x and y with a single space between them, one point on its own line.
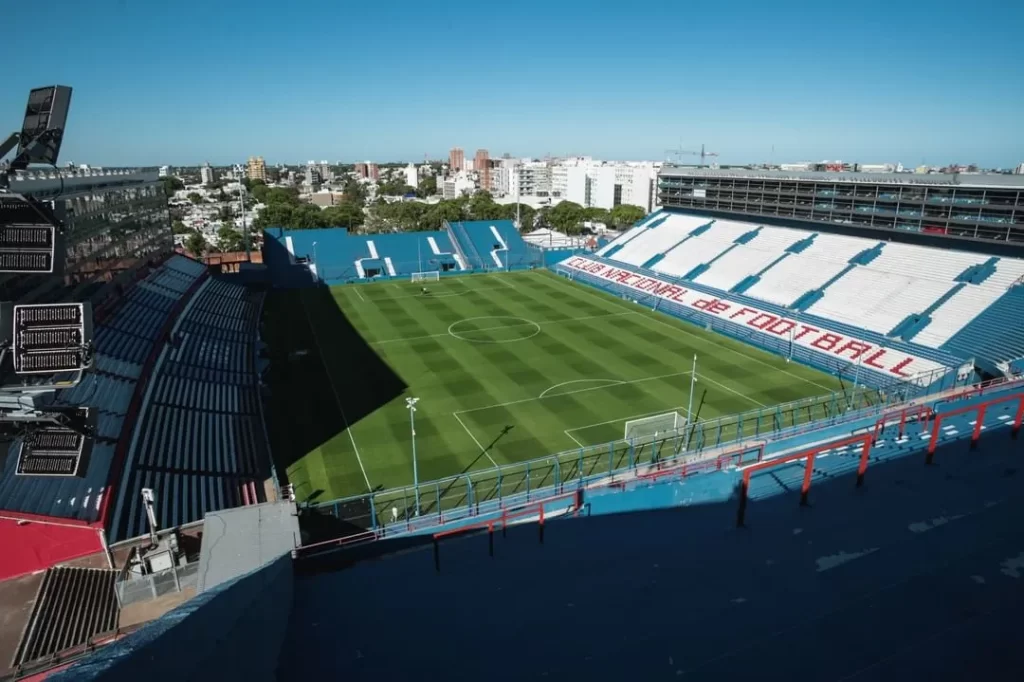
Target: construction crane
679 153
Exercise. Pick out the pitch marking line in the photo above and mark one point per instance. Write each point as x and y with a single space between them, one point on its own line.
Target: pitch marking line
334 389
687 332
499 278
456 415
578 390
355 289
678 408
607 382
503 326
701 377
574 440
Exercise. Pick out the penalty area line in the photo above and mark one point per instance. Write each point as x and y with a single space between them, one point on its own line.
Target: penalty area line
487 454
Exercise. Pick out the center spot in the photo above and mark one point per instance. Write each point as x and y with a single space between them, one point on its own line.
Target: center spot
494 329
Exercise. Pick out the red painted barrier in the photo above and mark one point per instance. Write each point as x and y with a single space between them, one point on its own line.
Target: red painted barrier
809 454
980 408
30 546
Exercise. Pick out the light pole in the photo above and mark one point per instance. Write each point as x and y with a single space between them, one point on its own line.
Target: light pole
689 407
410 404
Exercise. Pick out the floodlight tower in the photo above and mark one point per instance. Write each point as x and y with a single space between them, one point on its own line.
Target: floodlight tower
410 404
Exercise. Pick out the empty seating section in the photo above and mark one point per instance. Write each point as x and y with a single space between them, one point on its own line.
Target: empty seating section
877 300
658 240
996 336
199 442
746 260
915 295
492 244
968 303
702 248
794 276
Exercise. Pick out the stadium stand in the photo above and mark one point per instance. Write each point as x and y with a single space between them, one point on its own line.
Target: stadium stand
491 244
199 440
925 558
336 256
931 302
658 239
122 343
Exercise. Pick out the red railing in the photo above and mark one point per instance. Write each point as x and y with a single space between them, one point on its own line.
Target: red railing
809 454
922 412
980 408
503 521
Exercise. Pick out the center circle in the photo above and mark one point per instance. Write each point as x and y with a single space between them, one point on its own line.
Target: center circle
494 329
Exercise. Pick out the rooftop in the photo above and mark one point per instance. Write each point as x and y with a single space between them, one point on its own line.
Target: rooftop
942 179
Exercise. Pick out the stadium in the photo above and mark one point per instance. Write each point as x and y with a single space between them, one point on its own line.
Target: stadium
742 436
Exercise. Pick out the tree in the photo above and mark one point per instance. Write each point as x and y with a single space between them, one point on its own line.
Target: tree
625 215
427 188
230 239
527 215
354 192
196 244
343 215
567 217
596 215
172 185
195 197
178 227
482 207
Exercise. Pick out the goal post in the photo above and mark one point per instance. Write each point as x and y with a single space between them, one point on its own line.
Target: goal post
432 276
650 429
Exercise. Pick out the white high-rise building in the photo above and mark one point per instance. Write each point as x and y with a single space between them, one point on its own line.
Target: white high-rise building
165 171
1019 170
206 173
411 176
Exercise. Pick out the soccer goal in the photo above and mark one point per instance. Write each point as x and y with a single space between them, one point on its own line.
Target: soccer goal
650 429
432 276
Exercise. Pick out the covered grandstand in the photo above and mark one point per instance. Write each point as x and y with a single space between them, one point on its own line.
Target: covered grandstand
174 394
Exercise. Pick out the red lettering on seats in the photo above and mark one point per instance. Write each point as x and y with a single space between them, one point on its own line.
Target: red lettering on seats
858 348
805 329
827 341
898 367
677 295
870 361
762 321
711 305
774 328
742 311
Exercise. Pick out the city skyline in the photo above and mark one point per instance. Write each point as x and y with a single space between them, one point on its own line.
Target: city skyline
757 83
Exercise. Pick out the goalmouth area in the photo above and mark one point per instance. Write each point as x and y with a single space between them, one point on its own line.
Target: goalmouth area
507 367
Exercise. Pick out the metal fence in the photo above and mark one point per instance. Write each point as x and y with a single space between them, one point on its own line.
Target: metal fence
483 491
131 588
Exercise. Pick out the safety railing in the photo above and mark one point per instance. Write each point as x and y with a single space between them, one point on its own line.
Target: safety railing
478 492
509 517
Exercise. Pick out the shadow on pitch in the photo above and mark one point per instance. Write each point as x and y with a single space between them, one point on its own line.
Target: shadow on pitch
427 508
322 373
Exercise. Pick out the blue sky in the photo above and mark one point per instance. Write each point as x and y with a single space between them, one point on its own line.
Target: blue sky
186 82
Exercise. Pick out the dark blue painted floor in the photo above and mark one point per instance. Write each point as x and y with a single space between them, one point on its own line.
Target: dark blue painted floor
918 575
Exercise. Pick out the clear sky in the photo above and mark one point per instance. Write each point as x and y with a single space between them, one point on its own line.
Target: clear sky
189 81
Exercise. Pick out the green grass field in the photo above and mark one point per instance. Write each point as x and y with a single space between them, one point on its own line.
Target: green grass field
507 367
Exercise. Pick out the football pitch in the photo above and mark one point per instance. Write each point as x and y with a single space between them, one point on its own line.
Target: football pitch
506 366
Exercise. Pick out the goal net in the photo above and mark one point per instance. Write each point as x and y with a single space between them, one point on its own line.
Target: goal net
432 276
650 429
